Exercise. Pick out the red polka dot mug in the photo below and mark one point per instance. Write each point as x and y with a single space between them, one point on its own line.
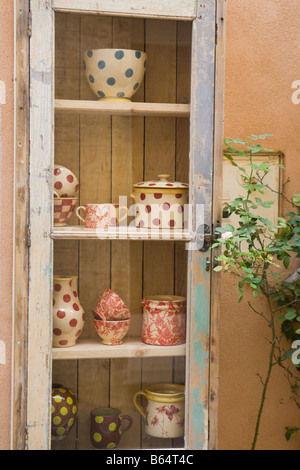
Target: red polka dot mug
101 215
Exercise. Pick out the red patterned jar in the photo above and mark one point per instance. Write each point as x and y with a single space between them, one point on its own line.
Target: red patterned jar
164 320
161 204
68 314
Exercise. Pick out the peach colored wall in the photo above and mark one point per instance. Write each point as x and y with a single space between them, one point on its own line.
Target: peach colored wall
6 211
262 61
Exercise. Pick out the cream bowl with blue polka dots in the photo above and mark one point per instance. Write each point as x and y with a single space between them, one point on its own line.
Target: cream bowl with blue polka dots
114 74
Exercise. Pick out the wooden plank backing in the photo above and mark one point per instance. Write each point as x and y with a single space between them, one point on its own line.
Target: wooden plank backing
176 9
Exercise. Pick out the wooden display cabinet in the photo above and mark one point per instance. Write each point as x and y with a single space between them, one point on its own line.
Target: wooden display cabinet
172 125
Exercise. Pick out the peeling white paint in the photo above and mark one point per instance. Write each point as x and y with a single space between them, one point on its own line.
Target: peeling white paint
2 353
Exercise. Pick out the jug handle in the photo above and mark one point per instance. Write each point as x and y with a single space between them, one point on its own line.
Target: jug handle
77 213
137 404
128 425
133 197
126 213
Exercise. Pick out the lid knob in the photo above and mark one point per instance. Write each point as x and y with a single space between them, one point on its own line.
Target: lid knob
163 177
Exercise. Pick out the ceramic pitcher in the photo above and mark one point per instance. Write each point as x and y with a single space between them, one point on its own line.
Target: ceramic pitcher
68 314
164 412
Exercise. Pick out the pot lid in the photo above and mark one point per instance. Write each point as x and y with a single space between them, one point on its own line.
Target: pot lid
162 182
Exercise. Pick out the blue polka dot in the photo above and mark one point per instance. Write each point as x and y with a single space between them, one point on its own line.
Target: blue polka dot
129 73
101 64
119 55
84 65
91 78
101 94
121 94
136 85
145 63
111 81
137 54
90 53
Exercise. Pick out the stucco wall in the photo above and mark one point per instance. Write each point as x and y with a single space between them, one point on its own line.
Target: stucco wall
262 61
6 212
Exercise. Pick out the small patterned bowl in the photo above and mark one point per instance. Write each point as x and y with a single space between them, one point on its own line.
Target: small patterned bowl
63 411
63 209
111 307
114 74
65 182
112 332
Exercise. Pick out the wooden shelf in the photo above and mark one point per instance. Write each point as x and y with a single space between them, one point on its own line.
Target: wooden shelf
122 108
79 232
131 347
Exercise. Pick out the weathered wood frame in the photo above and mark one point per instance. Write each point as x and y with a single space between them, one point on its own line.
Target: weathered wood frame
33 202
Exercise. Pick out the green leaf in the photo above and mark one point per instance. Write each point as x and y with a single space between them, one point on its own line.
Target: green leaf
286 261
229 228
218 268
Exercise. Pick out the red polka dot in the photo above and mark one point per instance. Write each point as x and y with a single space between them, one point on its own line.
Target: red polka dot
83 316
166 206
169 184
157 195
76 188
156 221
70 283
58 185
63 342
116 206
141 223
178 195
73 322
78 333
152 184
143 196
148 209
180 209
57 287
66 298
60 314
70 178
57 332
74 293
64 195
76 307
172 223
57 171
53 302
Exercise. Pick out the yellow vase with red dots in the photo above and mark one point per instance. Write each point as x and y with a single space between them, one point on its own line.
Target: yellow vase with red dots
63 411
68 314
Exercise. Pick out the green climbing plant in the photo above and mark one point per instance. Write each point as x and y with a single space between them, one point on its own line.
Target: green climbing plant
255 250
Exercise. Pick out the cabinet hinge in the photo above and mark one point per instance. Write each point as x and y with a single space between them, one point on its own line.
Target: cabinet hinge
28 236
29 30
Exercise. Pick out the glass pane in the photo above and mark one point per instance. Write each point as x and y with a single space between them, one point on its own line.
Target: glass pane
103 156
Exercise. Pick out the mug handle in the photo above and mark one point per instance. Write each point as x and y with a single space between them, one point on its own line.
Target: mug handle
55 194
128 425
126 213
137 404
77 213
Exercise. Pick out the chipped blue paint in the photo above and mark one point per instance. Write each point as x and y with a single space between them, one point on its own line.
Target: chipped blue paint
201 357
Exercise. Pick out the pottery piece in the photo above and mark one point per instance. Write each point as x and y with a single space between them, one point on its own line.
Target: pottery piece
63 411
111 307
160 204
164 320
106 427
164 412
102 215
68 314
65 182
114 74
112 332
63 210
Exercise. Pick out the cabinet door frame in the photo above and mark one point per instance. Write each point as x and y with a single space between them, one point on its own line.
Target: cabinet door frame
34 159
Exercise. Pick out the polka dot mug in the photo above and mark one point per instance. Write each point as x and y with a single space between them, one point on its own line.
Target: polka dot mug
101 215
106 427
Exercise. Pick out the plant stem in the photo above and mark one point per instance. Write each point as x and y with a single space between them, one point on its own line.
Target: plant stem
268 376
